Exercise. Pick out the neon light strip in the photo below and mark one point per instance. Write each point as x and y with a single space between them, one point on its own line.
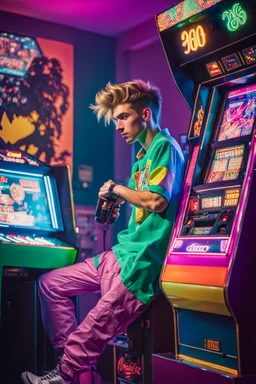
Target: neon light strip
206 254
211 351
206 364
4 239
220 187
20 173
186 190
233 240
241 205
182 11
242 91
202 238
50 199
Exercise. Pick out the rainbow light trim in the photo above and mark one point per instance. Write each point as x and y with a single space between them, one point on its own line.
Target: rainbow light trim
183 11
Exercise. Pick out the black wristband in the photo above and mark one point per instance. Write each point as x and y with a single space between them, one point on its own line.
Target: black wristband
110 190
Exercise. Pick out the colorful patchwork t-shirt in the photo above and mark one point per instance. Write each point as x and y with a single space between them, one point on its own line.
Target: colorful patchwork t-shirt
141 247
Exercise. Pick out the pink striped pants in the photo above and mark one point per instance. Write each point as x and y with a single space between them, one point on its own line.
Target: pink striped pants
116 309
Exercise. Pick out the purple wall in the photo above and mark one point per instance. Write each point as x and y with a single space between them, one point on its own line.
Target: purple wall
140 55
150 64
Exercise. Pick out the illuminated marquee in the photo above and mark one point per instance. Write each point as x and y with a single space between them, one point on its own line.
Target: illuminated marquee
235 17
193 39
16 155
183 11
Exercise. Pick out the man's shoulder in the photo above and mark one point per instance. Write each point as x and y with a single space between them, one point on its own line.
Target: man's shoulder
167 147
173 144
163 142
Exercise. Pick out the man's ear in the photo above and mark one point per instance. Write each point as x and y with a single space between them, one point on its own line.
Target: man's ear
146 114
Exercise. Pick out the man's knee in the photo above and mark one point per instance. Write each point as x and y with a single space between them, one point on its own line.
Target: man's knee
44 282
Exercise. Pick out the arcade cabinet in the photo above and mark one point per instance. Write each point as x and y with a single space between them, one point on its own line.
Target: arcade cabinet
209 272
37 233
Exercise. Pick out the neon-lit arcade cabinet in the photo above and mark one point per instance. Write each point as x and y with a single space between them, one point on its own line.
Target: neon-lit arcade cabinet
37 233
209 271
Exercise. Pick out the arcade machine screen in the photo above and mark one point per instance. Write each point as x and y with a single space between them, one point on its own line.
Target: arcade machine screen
226 164
237 121
239 114
212 205
26 202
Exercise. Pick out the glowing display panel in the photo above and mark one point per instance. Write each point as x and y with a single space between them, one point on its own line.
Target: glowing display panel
211 202
231 62
231 197
26 202
250 55
239 114
226 164
214 69
201 231
183 11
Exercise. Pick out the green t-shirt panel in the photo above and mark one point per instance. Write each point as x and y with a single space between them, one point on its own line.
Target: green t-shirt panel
142 246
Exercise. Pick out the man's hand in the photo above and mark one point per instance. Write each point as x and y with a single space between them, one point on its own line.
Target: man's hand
103 193
147 200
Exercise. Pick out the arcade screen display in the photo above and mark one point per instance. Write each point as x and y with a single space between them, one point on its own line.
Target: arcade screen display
226 164
25 203
239 113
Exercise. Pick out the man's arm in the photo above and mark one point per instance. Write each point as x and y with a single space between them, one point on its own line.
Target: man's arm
147 200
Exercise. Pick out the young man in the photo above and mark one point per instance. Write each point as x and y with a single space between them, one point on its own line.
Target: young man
128 274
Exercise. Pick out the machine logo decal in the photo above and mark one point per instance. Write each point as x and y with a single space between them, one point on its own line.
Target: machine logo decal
128 367
199 122
223 245
235 16
193 39
197 248
178 244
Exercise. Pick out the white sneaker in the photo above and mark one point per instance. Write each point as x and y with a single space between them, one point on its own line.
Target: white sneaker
51 377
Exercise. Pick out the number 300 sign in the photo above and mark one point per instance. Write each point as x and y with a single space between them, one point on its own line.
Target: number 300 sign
193 39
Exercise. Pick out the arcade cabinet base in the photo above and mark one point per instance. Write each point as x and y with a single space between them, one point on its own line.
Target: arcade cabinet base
167 368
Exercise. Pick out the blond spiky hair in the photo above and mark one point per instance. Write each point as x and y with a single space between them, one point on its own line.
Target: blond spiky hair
133 92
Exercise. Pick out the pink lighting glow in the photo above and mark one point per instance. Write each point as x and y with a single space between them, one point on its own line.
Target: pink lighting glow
109 18
233 240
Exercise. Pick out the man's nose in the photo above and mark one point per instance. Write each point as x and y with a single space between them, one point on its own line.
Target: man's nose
119 125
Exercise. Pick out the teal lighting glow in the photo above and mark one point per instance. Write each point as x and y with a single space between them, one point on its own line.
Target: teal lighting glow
236 17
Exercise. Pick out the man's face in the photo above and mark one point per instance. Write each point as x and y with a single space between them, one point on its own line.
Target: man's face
129 122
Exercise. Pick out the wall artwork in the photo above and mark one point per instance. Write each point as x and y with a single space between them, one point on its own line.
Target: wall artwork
36 96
